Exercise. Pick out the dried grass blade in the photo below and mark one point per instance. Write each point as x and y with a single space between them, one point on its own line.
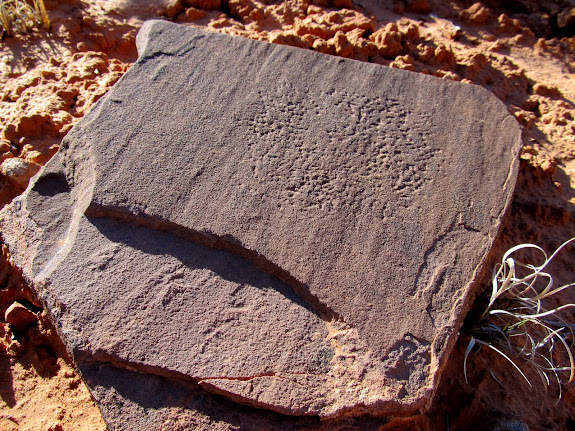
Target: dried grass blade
508 359
469 347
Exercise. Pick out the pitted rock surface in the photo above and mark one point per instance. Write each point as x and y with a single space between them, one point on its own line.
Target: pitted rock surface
293 231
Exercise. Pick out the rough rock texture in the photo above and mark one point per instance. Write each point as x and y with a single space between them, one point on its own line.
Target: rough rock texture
125 402
305 239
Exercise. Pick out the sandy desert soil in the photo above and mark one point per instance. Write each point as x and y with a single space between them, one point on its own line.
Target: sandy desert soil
523 51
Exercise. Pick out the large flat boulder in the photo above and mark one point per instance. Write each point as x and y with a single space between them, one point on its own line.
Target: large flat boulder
293 231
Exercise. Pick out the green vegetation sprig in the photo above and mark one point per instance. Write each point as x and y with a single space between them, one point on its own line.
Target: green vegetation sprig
21 16
517 325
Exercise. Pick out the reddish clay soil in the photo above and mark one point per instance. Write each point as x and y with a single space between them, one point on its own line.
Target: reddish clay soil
523 51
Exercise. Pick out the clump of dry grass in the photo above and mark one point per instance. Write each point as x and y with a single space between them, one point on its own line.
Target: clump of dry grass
518 325
20 16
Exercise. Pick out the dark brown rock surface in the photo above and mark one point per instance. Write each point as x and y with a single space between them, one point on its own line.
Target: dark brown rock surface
293 231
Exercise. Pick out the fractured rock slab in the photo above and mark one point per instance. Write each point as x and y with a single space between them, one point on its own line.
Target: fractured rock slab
293 231
134 401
